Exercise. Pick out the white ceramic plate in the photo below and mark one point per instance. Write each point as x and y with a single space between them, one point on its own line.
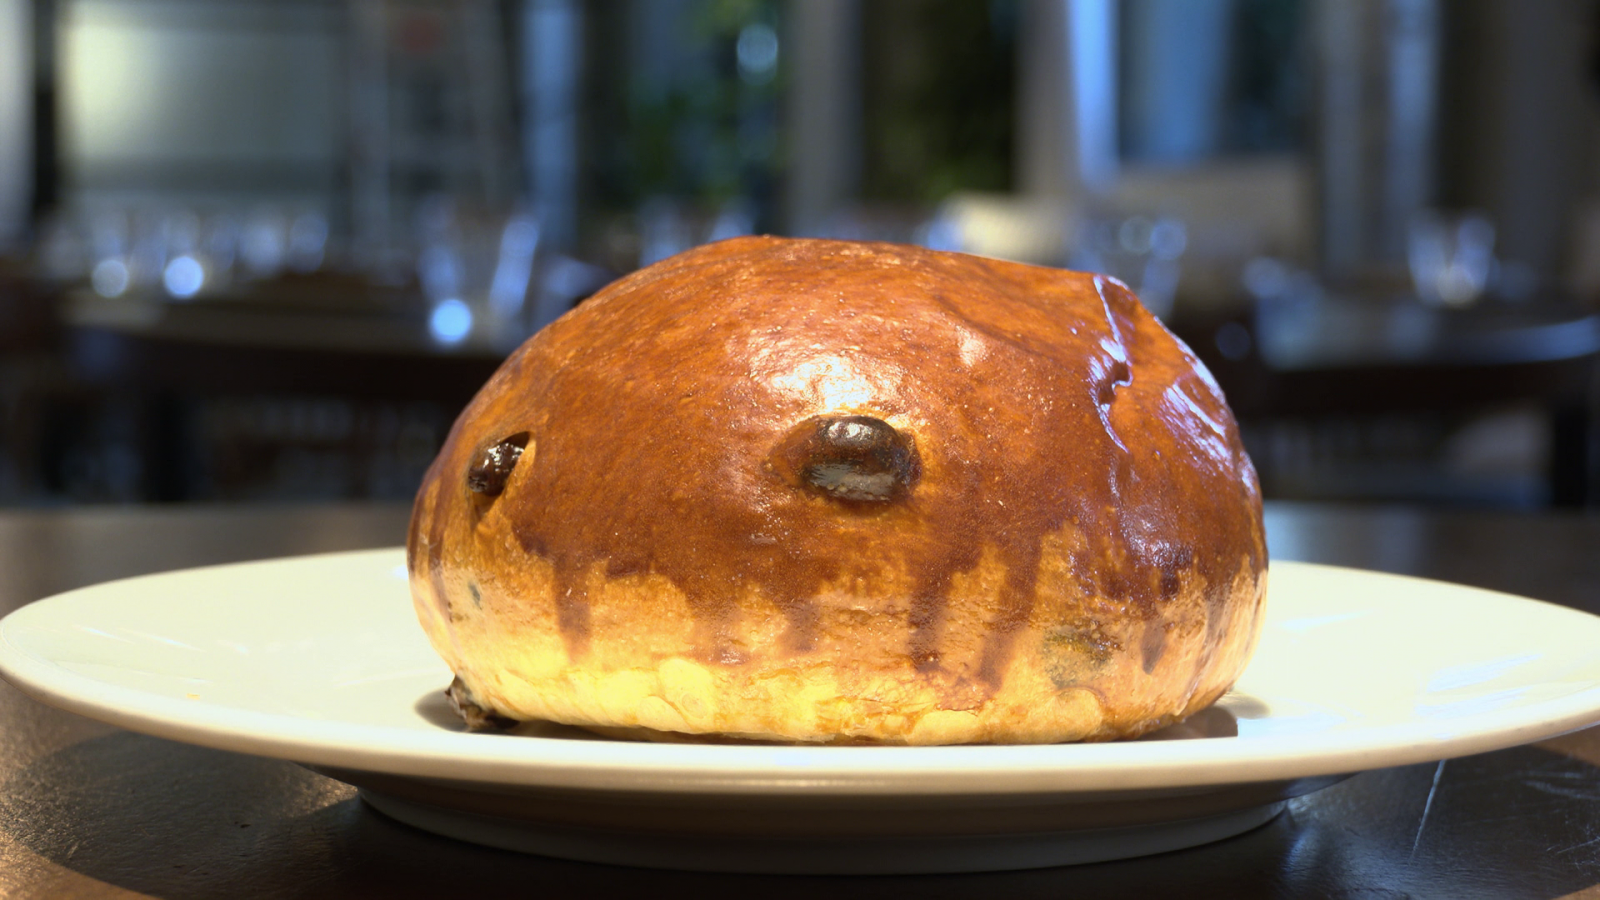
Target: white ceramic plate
319 660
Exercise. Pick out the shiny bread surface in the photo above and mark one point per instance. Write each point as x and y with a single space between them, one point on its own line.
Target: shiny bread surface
819 490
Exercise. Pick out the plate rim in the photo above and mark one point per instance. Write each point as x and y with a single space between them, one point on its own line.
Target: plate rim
634 767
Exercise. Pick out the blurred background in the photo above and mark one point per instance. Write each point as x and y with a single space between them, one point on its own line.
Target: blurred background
266 249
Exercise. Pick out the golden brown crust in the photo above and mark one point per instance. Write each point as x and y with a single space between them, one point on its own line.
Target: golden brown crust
1058 536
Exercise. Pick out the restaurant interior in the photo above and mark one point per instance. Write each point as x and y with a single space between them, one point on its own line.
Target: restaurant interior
257 255
265 252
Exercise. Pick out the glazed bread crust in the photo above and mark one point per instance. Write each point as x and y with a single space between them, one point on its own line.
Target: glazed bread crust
813 490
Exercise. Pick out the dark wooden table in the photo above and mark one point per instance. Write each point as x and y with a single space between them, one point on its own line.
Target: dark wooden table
87 810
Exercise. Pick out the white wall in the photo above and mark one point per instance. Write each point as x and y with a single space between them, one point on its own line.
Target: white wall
165 85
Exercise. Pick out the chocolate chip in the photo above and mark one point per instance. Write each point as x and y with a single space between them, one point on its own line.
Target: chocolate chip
1119 376
493 466
477 718
857 458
